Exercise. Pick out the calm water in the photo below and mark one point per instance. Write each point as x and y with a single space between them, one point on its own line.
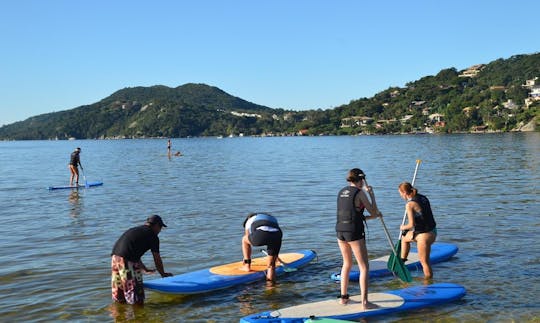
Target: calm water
56 244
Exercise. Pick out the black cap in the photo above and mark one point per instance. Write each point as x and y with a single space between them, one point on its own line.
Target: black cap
155 219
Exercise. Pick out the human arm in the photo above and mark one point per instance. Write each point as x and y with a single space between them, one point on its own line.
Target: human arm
159 265
409 208
79 162
371 206
146 270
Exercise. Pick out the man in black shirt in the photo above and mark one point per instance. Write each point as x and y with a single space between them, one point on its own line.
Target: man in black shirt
126 265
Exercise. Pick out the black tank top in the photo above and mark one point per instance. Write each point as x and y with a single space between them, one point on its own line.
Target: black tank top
423 221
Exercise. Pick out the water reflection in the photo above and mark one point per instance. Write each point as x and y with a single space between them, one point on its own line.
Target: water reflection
74 200
124 312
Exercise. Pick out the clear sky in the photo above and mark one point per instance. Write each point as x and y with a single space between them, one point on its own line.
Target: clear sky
292 54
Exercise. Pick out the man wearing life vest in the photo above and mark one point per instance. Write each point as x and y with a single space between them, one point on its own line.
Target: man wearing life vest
261 229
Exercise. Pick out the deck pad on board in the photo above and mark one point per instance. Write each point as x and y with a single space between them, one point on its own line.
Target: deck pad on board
257 264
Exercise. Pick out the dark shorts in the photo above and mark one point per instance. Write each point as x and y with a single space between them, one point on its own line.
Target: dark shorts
126 281
350 236
270 239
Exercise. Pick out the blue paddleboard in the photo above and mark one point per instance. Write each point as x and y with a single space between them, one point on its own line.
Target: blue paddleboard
325 320
400 300
87 184
440 251
227 275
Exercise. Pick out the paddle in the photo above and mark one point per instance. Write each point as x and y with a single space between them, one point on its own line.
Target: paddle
398 268
285 265
395 258
84 178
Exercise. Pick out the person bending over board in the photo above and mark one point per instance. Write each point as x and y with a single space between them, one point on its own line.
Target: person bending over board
420 227
262 229
126 266
74 161
351 202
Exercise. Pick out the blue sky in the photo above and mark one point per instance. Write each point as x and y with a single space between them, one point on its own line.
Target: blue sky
292 54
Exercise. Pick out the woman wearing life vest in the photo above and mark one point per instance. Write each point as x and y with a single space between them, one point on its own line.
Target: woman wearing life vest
420 227
262 229
74 161
351 203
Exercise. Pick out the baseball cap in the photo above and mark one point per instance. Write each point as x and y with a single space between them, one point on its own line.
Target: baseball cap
155 219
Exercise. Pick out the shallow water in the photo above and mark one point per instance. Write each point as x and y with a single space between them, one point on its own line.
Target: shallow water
56 244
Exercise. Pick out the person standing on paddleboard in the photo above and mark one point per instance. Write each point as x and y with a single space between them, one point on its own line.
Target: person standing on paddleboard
351 203
420 227
74 162
262 229
126 266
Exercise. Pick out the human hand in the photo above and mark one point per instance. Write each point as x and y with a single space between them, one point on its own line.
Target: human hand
166 275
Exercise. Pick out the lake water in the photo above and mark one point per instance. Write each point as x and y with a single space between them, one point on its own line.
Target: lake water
56 244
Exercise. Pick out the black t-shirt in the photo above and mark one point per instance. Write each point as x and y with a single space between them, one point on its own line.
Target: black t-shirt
135 242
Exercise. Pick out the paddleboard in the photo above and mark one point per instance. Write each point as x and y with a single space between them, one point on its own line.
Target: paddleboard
440 251
88 184
224 276
400 300
325 320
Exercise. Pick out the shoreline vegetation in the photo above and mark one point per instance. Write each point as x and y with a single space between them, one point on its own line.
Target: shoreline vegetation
501 96
527 128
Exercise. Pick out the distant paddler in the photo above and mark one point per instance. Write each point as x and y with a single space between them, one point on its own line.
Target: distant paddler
74 162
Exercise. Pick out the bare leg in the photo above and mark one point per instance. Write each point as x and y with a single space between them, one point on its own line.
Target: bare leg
405 247
271 268
424 242
74 174
360 253
345 268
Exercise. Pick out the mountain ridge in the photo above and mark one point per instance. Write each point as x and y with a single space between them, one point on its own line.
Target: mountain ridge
489 96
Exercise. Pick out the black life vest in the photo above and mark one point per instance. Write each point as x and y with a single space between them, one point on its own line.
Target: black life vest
349 217
74 158
262 219
423 221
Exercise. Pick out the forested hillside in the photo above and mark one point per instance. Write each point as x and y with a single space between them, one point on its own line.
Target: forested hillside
498 96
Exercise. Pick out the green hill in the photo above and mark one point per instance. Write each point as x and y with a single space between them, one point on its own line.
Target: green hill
484 97
157 111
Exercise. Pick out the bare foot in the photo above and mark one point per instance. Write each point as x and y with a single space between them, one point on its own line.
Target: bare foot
343 299
246 268
369 306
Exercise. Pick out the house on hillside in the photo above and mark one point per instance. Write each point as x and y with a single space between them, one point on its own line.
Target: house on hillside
534 91
468 110
355 121
510 105
406 118
437 120
417 104
472 71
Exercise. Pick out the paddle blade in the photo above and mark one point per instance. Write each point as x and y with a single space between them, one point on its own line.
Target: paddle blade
397 266
288 269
